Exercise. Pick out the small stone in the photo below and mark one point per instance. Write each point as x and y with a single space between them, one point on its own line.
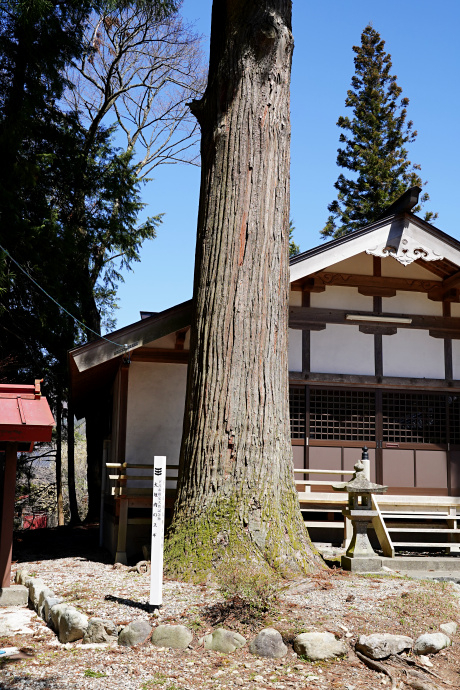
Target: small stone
172 636
382 645
425 661
20 576
258 679
100 631
318 646
268 643
449 629
136 633
431 643
72 625
45 593
224 641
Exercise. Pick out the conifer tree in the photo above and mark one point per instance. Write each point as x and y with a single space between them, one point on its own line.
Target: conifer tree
374 143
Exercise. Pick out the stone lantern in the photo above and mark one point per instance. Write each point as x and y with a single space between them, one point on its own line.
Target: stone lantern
360 556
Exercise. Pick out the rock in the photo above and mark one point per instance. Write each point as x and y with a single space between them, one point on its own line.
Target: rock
100 631
449 629
136 633
72 625
431 643
36 586
16 621
45 593
225 641
48 604
20 577
14 595
425 661
318 646
55 613
268 643
173 636
382 645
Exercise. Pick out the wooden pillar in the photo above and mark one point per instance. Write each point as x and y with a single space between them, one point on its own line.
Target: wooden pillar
7 514
120 556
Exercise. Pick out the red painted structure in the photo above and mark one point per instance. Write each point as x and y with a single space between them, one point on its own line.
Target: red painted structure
25 418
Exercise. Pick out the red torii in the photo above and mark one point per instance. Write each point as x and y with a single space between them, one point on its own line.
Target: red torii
25 418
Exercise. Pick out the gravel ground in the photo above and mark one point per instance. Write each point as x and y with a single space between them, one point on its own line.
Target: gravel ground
347 605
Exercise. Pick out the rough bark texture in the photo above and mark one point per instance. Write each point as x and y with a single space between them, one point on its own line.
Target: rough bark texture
236 495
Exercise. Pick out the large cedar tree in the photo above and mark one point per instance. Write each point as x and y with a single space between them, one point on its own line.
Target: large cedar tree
373 142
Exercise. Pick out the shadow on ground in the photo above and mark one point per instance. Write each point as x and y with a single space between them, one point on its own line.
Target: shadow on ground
59 542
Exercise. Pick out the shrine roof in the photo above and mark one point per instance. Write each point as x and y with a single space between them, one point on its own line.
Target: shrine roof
25 416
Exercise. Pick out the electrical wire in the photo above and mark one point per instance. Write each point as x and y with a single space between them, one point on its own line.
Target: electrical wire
57 303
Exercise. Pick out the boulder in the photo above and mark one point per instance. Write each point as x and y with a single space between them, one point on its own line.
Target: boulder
431 643
48 604
36 586
174 636
382 645
225 641
318 646
136 633
21 576
72 625
100 631
268 643
45 593
55 613
449 629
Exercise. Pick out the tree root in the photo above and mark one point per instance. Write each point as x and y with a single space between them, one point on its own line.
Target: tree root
410 662
377 666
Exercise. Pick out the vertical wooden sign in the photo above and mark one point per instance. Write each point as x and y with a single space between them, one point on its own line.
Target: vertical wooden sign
158 530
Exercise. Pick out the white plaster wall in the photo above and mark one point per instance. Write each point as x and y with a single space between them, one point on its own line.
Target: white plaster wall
405 302
456 358
413 354
156 396
295 350
394 269
337 297
295 298
342 350
455 309
362 264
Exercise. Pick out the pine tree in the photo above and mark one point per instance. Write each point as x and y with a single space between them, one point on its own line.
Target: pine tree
374 140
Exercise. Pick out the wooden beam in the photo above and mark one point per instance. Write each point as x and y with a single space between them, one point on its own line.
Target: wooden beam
365 381
452 281
377 292
152 354
180 338
317 282
302 317
7 514
378 330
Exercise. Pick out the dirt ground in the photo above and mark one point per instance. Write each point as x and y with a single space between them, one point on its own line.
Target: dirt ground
72 565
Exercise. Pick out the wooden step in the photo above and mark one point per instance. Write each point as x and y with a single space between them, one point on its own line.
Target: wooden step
431 544
418 516
324 523
417 530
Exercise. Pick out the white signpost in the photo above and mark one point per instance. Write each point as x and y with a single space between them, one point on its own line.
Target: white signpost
158 530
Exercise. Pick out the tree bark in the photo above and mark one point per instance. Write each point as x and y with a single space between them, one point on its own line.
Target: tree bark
73 504
59 499
236 494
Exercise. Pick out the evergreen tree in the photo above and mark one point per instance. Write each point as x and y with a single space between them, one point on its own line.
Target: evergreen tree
374 143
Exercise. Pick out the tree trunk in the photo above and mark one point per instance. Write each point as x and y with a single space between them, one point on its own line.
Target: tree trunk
236 495
73 504
94 452
59 499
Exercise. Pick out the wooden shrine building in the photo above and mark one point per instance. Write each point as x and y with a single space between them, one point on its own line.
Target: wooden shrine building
374 358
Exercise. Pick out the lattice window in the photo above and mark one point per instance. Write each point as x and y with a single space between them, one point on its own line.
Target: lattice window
414 417
339 415
453 404
298 409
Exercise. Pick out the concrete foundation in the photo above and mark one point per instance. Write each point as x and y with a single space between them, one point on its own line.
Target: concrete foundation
362 565
425 563
16 595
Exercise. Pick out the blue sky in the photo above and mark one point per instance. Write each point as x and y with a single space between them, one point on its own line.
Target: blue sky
423 41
